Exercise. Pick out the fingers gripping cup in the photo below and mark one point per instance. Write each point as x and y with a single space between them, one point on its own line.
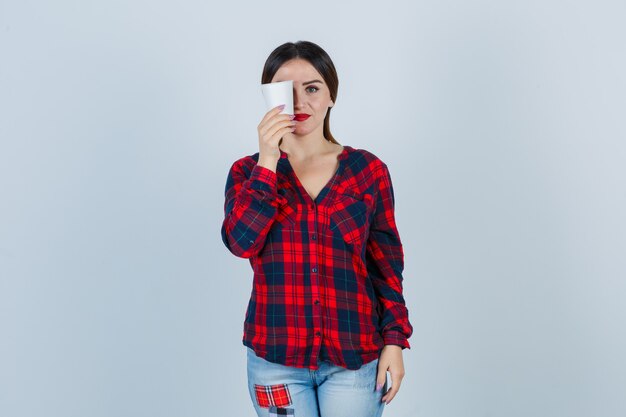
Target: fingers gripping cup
279 93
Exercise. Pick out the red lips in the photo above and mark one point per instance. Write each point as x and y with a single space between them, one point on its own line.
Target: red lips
300 117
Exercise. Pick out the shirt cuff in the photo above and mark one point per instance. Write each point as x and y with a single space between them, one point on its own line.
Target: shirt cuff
393 337
263 178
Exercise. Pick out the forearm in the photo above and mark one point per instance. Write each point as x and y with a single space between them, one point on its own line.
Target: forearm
249 211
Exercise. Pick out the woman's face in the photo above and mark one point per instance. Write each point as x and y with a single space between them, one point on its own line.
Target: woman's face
311 96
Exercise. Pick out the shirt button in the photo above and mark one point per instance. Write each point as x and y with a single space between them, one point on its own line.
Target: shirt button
318 334
313 237
314 269
317 301
311 206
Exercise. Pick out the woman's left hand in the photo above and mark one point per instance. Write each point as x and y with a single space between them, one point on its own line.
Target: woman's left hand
390 360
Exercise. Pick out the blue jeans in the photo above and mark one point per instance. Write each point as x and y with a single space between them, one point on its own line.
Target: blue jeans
330 391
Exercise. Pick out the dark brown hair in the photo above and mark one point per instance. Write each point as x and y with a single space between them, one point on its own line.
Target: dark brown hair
317 57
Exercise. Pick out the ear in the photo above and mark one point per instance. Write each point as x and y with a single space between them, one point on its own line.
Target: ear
331 104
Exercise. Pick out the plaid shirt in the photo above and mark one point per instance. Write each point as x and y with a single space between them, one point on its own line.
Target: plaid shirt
327 273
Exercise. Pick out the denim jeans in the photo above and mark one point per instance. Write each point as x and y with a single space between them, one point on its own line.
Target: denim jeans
329 391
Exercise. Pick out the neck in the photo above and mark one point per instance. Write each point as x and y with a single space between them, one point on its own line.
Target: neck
302 147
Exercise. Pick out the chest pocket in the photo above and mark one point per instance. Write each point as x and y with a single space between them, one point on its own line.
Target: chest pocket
286 218
349 217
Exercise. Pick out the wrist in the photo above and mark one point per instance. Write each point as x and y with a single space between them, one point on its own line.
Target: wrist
268 162
398 347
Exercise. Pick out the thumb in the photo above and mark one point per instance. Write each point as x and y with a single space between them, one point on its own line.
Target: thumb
381 378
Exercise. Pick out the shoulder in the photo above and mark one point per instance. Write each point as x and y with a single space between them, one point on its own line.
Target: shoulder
365 160
244 164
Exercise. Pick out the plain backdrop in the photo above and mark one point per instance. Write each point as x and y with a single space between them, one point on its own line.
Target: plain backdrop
502 123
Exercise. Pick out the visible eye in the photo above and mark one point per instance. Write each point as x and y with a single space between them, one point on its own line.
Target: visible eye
313 87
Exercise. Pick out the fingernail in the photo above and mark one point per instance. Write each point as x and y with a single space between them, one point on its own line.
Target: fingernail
379 387
282 106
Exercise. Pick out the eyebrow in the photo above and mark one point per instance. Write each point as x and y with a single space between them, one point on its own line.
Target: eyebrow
309 82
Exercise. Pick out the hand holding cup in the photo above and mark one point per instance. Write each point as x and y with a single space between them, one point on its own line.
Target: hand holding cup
277 121
272 128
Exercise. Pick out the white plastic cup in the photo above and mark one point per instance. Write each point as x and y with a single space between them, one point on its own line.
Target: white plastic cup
278 93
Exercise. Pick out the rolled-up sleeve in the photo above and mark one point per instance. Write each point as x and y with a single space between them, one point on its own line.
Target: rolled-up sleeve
385 264
250 207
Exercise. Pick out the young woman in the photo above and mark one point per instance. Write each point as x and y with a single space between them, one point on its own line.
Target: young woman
326 318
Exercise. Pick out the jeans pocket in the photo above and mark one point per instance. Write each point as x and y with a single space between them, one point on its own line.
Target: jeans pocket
365 376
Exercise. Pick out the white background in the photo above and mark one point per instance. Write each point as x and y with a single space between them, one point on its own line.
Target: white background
501 123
